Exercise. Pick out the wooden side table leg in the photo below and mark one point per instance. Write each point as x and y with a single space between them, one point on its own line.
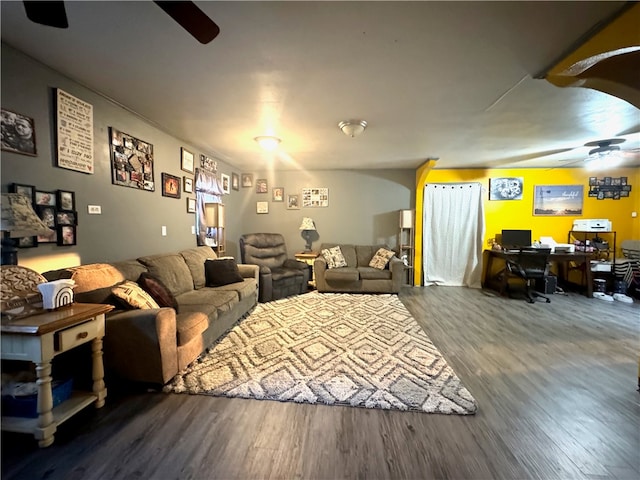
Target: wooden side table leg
45 426
97 372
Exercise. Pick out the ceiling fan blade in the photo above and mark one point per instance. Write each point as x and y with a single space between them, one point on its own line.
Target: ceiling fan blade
192 19
51 14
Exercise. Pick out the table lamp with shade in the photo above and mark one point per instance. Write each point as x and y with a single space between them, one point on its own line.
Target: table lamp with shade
307 226
18 220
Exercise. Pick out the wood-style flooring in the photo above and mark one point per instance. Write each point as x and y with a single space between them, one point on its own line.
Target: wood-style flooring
556 386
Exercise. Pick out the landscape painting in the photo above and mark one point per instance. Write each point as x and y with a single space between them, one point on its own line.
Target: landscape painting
558 200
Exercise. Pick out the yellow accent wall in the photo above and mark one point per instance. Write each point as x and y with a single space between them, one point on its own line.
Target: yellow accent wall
518 214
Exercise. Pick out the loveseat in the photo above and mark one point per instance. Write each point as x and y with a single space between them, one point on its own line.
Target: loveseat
280 276
152 345
357 275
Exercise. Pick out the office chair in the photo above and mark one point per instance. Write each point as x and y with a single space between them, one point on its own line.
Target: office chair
530 264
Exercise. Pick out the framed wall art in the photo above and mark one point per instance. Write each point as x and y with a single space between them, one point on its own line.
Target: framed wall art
131 161
506 188
74 121
18 133
235 181
226 183
208 164
247 180
293 202
186 160
262 185
277 194
45 198
315 197
558 200
262 207
26 190
170 185
188 184
66 200
66 217
191 205
66 235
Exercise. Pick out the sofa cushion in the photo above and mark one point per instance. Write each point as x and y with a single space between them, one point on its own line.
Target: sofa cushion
221 272
207 298
190 325
158 290
381 258
172 270
195 258
344 274
334 257
245 289
134 295
95 275
371 273
131 269
365 253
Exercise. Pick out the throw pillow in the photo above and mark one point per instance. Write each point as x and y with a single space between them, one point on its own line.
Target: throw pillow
158 290
381 258
134 295
221 271
334 257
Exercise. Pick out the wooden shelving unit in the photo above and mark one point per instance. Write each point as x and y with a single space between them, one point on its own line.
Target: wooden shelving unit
405 241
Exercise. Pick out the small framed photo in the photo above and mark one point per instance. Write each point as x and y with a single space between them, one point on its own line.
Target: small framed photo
593 181
27 242
45 198
66 217
293 202
170 185
186 160
607 180
226 183
47 214
262 186
262 207
623 180
26 190
616 181
247 180
66 200
18 133
277 194
188 184
235 181
208 164
191 205
623 193
66 235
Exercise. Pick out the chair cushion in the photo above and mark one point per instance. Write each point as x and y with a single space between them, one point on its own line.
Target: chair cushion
158 290
381 258
134 295
279 273
221 272
334 257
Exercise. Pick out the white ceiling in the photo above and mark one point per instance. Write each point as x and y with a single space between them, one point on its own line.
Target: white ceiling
453 80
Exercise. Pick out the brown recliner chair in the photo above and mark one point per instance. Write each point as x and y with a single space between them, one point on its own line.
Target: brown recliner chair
280 276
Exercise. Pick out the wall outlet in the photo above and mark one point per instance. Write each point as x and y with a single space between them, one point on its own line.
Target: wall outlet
164 230
193 229
94 209
634 214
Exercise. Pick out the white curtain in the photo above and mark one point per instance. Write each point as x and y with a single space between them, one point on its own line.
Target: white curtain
453 229
208 190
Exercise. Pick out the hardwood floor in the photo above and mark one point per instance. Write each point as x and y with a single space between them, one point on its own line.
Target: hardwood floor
556 386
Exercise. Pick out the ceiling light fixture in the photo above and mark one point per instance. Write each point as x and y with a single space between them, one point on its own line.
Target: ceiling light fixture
599 159
268 142
352 128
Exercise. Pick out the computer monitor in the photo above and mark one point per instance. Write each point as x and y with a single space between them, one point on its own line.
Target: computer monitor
516 238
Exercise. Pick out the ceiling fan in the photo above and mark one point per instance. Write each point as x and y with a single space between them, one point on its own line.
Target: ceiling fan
186 13
606 153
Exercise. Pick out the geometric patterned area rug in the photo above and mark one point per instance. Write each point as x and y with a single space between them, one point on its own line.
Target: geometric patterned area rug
329 348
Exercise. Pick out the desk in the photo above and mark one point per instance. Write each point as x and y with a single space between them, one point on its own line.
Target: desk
561 259
38 339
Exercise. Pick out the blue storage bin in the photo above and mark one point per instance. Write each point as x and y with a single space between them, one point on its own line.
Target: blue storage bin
27 405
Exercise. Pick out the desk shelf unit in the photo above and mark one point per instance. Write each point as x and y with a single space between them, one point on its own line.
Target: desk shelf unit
584 236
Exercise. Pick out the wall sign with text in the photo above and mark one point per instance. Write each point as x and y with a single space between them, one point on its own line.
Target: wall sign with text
75 133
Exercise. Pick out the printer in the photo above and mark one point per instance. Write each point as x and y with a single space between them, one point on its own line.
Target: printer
592 225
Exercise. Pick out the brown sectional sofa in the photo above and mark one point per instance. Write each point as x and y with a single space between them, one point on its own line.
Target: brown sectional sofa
358 276
153 345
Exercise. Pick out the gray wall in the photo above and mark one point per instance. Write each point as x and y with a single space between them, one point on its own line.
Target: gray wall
362 204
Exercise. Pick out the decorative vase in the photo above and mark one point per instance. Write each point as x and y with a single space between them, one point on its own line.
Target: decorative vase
57 293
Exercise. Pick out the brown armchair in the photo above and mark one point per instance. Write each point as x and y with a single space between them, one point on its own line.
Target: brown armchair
280 276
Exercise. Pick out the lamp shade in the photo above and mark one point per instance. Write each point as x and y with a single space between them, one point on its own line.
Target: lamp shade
406 218
214 214
19 219
307 224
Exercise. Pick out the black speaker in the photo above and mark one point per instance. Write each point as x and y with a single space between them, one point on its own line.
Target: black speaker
547 285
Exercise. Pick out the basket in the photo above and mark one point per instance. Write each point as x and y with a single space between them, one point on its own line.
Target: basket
27 405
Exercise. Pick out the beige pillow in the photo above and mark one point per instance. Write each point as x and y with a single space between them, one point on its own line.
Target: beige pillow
381 258
334 257
134 295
